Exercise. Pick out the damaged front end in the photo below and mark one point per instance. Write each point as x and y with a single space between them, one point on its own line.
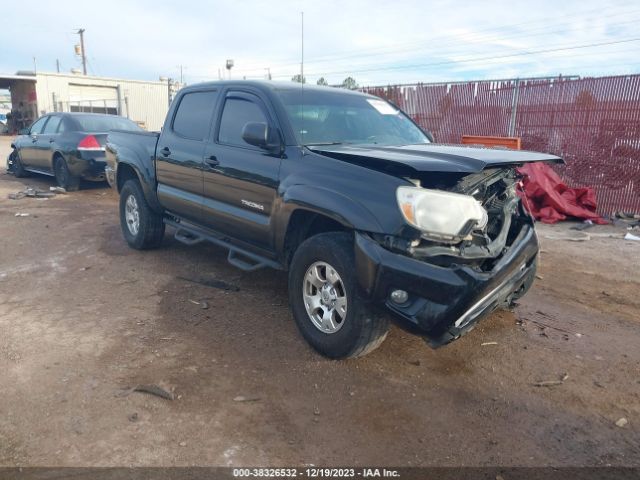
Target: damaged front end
496 192
452 280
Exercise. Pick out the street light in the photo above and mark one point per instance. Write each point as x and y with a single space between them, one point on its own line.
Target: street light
229 66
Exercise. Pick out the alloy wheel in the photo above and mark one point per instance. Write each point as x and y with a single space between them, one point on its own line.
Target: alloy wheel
325 297
132 215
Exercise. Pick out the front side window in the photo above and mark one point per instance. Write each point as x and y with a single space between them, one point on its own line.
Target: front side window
194 115
52 125
236 114
37 127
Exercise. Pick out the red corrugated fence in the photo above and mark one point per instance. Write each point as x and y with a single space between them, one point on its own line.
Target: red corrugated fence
593 123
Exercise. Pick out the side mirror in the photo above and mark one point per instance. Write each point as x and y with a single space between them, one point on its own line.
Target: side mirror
260 135
430 136
23 131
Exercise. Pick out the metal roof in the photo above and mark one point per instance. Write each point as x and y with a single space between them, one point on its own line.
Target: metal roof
7 80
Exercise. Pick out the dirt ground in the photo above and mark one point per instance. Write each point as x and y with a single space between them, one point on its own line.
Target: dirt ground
83 317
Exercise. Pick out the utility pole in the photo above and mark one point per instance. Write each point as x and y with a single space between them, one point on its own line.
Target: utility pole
169 82
57 65
302 47
82 52
181 76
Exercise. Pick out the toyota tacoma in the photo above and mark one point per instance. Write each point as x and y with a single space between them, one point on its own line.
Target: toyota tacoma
344 192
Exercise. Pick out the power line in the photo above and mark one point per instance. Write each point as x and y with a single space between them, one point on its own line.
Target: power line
450 62
472 36
441 52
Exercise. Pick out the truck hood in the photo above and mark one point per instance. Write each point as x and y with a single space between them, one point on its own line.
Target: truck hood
431 157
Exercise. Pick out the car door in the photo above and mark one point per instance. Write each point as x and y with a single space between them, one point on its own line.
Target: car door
179 155
28 144
44 153
240 180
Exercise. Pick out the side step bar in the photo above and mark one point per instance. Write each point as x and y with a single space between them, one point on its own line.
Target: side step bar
238 257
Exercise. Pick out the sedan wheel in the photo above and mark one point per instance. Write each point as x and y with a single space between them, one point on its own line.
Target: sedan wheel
64 178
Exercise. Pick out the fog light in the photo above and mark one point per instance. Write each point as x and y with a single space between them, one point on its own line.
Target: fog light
399 296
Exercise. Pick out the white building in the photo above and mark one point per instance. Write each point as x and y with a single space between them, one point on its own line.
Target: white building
33 95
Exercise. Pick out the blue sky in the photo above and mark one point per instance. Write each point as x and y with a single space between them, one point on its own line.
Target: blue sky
374 42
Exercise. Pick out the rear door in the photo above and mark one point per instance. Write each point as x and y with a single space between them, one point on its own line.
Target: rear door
179 154
240 180
29 144
44 153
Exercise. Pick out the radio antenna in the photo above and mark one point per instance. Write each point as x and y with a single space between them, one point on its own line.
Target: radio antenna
302 75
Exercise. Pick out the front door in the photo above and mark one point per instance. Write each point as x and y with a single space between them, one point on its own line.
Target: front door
240 180
179 155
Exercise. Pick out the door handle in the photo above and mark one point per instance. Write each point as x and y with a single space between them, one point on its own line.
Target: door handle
51 140
165 152
212 160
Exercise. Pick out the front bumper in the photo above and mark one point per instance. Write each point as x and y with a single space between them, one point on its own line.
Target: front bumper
444 302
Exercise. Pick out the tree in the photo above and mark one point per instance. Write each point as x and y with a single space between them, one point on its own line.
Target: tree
298 78
323 82
349 83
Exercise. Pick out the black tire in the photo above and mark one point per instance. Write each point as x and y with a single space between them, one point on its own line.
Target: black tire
64 178
363 329
18 167
150 231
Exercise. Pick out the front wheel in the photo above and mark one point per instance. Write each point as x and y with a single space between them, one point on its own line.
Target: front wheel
17 167
142 227
327 306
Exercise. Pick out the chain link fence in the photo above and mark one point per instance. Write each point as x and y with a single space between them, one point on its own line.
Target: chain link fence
593 123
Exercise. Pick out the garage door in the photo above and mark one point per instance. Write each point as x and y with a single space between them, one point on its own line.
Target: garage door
93 98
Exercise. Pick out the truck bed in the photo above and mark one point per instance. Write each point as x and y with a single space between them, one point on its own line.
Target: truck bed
139 148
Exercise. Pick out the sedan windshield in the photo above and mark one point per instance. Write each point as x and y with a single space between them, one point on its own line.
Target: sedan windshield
104 123
336 117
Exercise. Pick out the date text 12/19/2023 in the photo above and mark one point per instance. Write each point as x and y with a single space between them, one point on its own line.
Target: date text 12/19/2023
314 472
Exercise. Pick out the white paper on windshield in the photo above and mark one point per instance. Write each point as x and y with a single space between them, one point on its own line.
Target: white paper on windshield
382 107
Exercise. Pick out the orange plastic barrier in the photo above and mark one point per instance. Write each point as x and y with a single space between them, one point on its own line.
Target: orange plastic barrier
509 142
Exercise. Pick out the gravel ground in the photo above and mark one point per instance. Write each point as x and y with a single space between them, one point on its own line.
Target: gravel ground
83 318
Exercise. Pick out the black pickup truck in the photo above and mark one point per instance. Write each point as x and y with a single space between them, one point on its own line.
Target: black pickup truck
346 193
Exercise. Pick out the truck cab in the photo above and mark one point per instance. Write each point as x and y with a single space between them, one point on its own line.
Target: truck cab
345 192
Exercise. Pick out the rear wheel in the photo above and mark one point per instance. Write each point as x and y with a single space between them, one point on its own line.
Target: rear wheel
64 178
18 166
142 227
324 298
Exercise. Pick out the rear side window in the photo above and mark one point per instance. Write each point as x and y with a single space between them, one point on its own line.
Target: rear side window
104 123
194 115
37 127
52 125
64 125
236 114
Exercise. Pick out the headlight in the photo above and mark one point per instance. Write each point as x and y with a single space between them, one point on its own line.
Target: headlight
442 216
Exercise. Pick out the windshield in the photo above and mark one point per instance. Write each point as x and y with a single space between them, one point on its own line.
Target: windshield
333 117
104 123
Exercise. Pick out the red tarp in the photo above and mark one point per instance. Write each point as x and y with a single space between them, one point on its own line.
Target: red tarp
550 200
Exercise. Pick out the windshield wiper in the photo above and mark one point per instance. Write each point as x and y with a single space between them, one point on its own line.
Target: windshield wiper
319 144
